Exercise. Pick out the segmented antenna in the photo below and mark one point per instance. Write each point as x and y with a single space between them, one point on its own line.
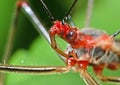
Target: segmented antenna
67 17
50 14
116 33
47 11
67 14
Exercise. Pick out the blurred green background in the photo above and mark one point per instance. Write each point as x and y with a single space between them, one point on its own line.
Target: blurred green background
30 48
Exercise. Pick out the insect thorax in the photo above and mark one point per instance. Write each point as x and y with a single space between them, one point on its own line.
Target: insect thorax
97 54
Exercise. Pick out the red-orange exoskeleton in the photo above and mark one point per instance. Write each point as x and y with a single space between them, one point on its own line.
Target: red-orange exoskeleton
78 39
87 47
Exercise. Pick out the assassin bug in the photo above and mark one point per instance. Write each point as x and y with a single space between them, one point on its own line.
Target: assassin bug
88 46
71 54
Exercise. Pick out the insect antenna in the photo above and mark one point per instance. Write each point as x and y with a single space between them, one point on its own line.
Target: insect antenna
67 17
70 9
116 33
47 11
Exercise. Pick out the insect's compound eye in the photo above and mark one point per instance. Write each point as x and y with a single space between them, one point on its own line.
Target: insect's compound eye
71 35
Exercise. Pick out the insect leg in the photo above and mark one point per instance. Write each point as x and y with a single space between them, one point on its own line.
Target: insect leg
109 79
99 69
31 15
24 6
89 80
89 13
115 47
54 46
35 21
34 70
115 34
10 39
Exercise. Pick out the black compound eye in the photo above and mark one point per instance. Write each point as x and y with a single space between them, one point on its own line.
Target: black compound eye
70 35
